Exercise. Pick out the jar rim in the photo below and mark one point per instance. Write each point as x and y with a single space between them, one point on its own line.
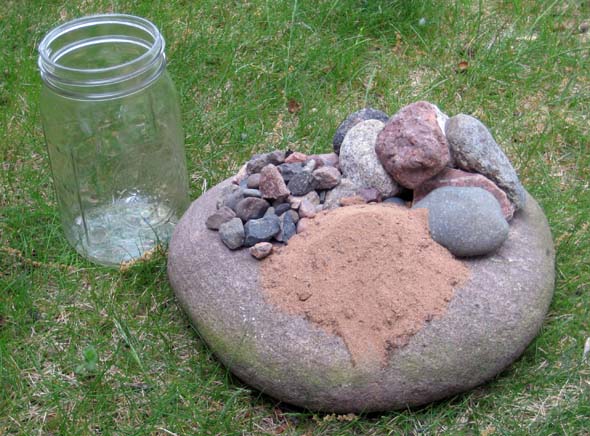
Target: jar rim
92 20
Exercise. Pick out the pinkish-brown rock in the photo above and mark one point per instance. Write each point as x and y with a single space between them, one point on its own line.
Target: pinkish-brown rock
261 250
412 147
458 178
271 184
296 157
307 209
370 195
351 201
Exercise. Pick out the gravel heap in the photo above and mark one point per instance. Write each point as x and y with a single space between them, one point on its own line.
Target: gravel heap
451 166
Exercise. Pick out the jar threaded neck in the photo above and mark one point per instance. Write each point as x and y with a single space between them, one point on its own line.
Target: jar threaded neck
102 56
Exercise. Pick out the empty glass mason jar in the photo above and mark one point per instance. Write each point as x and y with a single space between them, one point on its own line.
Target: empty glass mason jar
113 130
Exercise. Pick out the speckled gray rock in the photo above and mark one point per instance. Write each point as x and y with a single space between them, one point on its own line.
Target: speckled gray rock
468 221
301 183
231 233
261 230
352 120
488 324
287 226
473 148
359 161
251 208
288 170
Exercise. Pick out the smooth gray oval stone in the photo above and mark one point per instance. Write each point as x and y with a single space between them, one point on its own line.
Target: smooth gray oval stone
488 323
468 221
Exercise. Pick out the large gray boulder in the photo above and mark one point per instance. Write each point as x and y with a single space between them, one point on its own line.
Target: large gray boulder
488 324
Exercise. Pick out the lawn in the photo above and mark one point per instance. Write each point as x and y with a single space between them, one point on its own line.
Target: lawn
90 350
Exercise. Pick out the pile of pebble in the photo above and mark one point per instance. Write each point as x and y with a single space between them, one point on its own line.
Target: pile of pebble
451 166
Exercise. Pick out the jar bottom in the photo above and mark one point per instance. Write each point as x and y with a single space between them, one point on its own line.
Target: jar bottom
122 230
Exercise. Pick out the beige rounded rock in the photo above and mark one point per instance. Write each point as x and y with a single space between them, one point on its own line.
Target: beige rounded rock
488 324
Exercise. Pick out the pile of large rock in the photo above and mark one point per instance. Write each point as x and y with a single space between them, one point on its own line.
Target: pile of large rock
451 166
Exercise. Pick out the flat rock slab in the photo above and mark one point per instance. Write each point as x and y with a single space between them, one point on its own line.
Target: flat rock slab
488 324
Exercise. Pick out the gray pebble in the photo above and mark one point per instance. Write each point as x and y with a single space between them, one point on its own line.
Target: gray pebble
252 193
261 230
257 162
253 181
220 216
232 199
288 228
282 208
467 221
294 215
270 211
251 208
301 183
276 157
346 188
232 233
288 170
395 200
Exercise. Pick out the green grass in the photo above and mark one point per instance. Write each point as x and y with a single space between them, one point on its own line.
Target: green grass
88 350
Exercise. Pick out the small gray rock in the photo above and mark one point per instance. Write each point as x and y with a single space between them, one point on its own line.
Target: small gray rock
467 221
326 177
276 157
253 181
220 216
352 120
232 233
395 200
252 193
261 230
270 211
282 208
359 161
301 183
257 162
288 170
474 149
251 208
346 188
232 199
226 192
288 227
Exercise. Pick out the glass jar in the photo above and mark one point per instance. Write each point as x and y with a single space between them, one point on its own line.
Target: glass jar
113 130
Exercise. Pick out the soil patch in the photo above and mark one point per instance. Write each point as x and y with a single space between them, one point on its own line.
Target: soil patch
368 273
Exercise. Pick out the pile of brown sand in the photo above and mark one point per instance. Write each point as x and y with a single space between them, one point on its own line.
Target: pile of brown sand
368 273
